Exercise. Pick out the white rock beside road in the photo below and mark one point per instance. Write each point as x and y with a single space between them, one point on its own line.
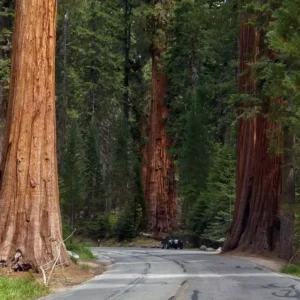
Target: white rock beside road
209 249
73 254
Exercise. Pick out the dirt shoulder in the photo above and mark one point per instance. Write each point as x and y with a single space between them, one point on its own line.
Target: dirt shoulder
140 241
270 262
69 277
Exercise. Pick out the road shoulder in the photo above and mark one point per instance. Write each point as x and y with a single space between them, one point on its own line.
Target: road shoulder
271 263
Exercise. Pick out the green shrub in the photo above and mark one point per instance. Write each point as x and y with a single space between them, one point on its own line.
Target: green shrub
67 230
292 270
125 226
83 252
102 227
297 263
21 289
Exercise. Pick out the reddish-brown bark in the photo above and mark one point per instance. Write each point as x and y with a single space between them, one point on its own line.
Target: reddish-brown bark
258 185
261 232
159 173
3 109
30 218
144 152
158 169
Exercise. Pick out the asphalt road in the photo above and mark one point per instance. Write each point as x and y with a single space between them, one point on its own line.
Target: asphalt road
156 274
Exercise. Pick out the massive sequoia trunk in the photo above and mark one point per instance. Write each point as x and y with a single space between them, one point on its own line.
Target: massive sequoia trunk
30 218
159 174
261 226
256 223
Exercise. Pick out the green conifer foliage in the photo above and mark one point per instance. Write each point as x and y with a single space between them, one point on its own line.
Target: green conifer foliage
93 172
284 39
90 80
6 24
202 62
120 165
72 179
195 157
212 212
283 80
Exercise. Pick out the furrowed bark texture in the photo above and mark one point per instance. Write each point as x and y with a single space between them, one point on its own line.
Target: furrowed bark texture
3 111
160 186
29 202
256 223
159 174
144 152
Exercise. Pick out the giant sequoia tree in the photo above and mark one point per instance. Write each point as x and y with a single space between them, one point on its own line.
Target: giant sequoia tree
256 222
30 218
160 185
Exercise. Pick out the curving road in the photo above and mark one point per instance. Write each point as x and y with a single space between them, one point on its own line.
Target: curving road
155 274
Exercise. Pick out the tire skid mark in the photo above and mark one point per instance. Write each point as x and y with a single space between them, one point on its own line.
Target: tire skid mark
183 282
179 263
183 286
180 292
132 284
286 292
